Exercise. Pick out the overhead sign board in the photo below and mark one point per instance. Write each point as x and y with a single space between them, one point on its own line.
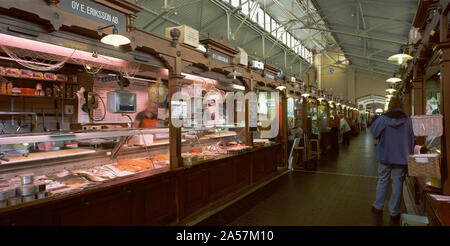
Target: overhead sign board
95 12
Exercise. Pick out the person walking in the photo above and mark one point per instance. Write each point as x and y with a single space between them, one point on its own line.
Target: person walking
346 131
395 142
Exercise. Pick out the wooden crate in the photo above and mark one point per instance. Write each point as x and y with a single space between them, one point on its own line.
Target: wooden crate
241 58
188 35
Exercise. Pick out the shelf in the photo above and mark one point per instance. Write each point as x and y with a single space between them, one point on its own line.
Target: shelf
42 80
33 96
212 127
70 136
17 113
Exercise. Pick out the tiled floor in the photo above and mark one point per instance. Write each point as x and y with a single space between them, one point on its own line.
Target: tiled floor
340 192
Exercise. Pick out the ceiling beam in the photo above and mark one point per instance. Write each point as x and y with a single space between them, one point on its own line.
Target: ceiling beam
355 35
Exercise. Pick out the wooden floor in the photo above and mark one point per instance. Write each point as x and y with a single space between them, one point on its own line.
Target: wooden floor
340 193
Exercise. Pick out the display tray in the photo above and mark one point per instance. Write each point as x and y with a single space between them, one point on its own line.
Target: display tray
46 155
224 156
220 135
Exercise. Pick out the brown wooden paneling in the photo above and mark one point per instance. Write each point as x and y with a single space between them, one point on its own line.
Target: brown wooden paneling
111 207
194 190
242 165
221 179
158 201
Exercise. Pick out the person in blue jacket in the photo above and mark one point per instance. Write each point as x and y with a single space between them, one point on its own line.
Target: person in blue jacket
395 136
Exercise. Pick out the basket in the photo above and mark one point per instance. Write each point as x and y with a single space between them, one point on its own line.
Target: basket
427 125
424 165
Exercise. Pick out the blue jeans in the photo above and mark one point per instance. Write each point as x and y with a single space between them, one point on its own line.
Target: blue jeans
398 176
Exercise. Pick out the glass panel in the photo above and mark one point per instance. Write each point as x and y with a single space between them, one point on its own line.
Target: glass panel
274 27
254 12
267 22
245 9
235 3
260 17
216 125
288 40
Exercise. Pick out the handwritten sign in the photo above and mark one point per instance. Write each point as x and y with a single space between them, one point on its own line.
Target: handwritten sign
95 11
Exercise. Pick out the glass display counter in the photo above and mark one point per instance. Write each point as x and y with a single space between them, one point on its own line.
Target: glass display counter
40 165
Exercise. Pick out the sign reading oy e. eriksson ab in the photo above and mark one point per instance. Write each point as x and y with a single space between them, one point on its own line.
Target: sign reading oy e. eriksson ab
95 11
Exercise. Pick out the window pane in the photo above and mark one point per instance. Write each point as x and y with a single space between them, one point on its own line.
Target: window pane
267 21
288 40
260 17
235 3
280 33
253 12
245 8
274 27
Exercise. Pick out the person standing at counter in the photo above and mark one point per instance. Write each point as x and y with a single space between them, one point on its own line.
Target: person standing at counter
335 124
346 131
148 118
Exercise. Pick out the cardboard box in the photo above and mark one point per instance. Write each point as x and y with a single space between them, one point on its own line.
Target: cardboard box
188 35
413 220
241 58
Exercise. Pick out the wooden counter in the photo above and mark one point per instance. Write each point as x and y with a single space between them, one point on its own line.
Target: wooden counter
150 198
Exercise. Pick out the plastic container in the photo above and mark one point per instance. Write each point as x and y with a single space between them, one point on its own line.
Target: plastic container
28 198
14 200
41 195
26 190
26 179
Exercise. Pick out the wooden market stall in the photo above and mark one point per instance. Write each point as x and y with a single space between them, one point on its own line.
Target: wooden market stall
176 191
426 86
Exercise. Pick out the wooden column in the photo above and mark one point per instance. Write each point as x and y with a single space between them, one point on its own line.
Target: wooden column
305 113
407 98
284 139
419 88
249 84
444 49
328 112
174 78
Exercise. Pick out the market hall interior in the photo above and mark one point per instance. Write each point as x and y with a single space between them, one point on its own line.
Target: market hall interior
224 112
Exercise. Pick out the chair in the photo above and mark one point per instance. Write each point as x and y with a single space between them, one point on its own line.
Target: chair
314 151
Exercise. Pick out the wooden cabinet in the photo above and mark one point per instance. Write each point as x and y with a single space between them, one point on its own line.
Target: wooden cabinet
152 200
156 201
242 166
193 188
39 216
110 207
221 179
265 162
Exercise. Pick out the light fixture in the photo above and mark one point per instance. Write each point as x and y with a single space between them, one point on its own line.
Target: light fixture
394 80
391 90
305 94
389 96
400 58
281 87
115 38
234 74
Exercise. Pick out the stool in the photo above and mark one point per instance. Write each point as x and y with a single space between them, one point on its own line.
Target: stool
300 150
311 152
